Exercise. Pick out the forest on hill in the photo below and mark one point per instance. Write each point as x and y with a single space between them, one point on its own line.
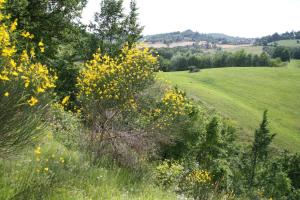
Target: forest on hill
219 38
190 35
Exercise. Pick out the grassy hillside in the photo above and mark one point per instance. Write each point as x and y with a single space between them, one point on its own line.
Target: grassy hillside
244 93
288 43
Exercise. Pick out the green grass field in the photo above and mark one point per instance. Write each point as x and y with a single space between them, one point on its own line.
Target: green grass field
288 43
244 93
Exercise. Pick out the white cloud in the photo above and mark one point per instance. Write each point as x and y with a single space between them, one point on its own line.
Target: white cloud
248 18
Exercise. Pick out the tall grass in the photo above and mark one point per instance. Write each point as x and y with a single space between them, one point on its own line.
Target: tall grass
55 170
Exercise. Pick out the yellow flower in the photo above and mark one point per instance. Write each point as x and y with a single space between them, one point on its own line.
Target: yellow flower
32 53
65 100
26 34
46 169
24 56
199 176
15 73
14 25
2 2
41 44
4 78
27 83
31 36
40 90
37 151
6 94
13 63
32 101
9 51
61 159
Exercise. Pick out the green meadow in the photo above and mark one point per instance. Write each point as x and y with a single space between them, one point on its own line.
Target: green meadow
288 43
243 93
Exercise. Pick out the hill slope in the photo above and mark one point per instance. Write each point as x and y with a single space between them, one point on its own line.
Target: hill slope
244 93
287 43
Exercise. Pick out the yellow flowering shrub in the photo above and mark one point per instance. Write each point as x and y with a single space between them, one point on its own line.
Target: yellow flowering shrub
172 106
114 82
24 82
198 176
175 102
20 65
197 183
168 173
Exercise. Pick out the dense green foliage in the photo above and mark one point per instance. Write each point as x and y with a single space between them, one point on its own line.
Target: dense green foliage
54 22
216 167
172 60
282 52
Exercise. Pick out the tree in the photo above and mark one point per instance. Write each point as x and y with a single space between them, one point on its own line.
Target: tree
296 53
283 53
133 29
113 29
109 28
53 21
264 59
215 151
259 152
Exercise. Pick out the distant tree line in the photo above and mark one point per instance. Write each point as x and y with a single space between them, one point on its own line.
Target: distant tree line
284 53
184 61
275 37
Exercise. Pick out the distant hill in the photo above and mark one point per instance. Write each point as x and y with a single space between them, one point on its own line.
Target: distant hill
190 35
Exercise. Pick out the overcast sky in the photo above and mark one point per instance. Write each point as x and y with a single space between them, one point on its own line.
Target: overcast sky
247 18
